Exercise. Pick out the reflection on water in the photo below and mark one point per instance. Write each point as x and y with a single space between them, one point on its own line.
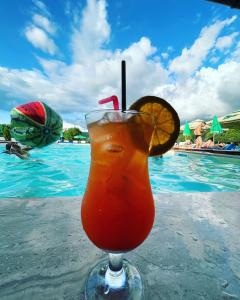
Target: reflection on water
52 171
191 172
62 170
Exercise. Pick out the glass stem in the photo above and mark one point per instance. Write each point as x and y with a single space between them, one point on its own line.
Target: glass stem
115 261
115 277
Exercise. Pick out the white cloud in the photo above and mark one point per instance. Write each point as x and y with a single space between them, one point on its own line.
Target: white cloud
214 59
92 31
67 9
39 39
18 83
140 50
226 41
44 23
192 59
41 7
94 73
164 55
67 125
39 30
210 91
236 52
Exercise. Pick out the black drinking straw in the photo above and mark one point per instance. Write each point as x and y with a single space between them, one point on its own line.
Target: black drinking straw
123 85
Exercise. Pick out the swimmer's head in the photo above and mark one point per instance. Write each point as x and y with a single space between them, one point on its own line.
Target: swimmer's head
8 146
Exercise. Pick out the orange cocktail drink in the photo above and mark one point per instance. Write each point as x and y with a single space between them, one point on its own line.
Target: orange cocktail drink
117 209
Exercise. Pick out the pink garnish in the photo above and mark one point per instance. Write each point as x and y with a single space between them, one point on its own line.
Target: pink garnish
113 99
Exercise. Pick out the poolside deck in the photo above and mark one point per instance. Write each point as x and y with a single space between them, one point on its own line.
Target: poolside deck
193 251
209 151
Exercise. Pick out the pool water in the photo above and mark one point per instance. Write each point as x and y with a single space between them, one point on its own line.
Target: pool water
62 170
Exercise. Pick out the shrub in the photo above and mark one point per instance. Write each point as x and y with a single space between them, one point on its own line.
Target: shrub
231 135
182 138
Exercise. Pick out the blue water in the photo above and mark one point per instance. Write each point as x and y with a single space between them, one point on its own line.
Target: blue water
62 170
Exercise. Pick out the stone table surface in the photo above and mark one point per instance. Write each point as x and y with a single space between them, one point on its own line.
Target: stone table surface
193 251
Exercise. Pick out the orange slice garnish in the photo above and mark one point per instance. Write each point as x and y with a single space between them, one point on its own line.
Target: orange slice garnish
166 123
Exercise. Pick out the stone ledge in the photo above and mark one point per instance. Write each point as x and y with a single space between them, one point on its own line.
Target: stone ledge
193 251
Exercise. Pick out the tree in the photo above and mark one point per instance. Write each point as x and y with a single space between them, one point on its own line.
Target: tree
70 133
6 133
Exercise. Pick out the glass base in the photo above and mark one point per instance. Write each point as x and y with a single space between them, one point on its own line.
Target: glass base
103 283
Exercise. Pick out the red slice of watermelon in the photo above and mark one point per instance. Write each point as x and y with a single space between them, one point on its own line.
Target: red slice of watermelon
33 110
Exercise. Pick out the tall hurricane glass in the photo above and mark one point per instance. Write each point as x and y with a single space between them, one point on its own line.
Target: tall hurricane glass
117 209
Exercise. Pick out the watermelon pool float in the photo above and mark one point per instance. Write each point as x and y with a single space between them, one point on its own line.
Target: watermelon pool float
35 124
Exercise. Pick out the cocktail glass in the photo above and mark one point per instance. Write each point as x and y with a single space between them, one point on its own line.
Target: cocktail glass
117 209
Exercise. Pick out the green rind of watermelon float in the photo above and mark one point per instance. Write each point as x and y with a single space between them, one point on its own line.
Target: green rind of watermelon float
35 124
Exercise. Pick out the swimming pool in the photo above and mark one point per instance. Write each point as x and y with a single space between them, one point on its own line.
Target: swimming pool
62 170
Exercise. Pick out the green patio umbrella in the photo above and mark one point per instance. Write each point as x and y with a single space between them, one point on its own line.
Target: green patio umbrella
216 127
186 131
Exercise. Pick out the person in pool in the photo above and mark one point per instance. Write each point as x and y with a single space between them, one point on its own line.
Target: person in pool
14 148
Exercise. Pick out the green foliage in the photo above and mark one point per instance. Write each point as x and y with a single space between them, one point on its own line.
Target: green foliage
228 136
6 132
182 138
231 135
70 133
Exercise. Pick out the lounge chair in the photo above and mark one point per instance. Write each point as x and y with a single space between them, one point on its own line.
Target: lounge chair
230 147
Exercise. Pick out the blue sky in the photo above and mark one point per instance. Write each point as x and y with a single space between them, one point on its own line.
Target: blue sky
68 54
